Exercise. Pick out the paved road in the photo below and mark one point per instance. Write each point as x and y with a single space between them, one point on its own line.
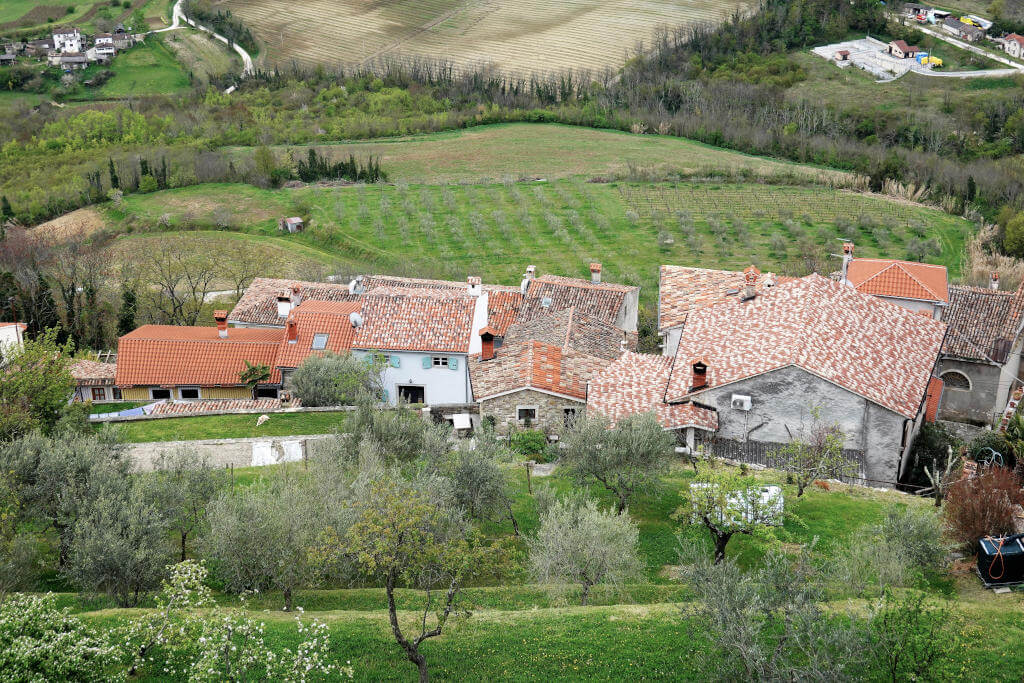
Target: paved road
943 36
178 20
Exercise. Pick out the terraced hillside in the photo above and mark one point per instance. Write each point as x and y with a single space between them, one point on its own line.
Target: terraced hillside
525 36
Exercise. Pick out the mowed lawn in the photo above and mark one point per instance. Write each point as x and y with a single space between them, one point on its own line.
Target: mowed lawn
146 69
227 426
496 230
490 153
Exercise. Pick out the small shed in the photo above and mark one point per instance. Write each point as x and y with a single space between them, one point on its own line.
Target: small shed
842 56
900 49
94 381
293 224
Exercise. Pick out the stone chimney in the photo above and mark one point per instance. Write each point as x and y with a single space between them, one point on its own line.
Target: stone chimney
474 285
700 374
284 304
595 272
750 275
486 344
292 330
531 272
296 295
847 257
222 323
769 280
993 282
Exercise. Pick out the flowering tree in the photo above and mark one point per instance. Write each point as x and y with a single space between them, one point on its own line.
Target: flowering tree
222 644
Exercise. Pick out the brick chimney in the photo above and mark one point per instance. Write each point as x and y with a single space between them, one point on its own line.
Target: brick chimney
993 282
750 275
284 304
222 323
296 295
486 344
292 330
847 257
474 285
595 272
700 374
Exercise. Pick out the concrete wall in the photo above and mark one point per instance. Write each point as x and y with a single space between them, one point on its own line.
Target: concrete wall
671 341
550 410
781 406
441 385
979 404
228 452
915 305
629 314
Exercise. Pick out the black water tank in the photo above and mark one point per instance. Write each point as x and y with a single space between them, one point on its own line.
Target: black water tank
1001 559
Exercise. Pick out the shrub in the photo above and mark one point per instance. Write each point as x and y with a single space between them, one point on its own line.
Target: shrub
530 442
334 380
982 506
916 533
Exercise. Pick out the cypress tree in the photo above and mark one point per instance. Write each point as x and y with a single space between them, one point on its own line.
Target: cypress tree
129 306
115 182
5 208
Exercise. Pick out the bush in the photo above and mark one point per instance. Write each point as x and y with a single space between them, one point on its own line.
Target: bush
931 450
530 442
982 506
916 533
333 380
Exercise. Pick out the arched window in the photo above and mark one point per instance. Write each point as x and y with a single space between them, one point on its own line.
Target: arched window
956 380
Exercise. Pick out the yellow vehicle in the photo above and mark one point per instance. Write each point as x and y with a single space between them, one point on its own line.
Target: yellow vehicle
968 20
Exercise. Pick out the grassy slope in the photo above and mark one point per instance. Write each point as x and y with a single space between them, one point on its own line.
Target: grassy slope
549 151
528 632
228 426
496 230
145 69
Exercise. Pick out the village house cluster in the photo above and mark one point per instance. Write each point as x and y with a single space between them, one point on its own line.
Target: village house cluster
878 349
70 49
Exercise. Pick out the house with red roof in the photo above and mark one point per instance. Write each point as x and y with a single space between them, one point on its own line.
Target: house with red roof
919 287
760 358
94 381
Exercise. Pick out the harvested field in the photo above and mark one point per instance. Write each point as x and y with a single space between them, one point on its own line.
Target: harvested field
200 54
524 36
74 225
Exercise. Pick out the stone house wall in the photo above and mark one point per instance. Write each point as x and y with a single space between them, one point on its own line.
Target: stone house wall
550 410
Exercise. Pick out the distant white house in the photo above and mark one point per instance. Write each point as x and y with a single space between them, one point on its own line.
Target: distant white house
11 336
1014 45
67 40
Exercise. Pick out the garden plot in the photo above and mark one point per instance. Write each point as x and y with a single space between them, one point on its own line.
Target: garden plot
524 36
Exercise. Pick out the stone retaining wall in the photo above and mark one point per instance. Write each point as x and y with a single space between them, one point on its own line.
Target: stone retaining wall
229 452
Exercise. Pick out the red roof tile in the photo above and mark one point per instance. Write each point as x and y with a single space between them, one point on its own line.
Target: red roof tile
864 344
317 317
158 355
411 319
600 299
983 323
635 383
900 279
258 305
683 289
502 309
86 372
533 365
931 408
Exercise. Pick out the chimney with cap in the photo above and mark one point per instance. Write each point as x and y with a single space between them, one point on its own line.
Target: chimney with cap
284 304
292 330
474 285
700 374
296 295
222 323
486 344
750 275
847 257
595 272
993 282
531 272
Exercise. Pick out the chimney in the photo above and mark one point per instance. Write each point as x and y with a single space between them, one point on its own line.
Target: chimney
993 282
356 319
296 295
293 331
700 374
475 285
222 323
769 280
750 275
528 276
595 272
531 272
486 344
284 304
847 257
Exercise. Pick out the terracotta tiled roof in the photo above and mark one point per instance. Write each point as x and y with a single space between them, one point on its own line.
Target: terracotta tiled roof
931 406
93 372
258 305
502 309
416 319
983 323
635 383
570 329
158 355
207 406
901 279
21 325
600 299
533 365
864 344
313 318
683 289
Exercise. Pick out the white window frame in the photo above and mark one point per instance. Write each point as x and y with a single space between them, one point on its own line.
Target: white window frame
199 393
534 408
970 384
439 361
326 338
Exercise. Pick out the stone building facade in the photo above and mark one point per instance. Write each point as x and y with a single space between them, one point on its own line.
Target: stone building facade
550 412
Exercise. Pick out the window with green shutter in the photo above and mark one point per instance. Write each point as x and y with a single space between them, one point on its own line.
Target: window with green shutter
396 362
427 364
453 363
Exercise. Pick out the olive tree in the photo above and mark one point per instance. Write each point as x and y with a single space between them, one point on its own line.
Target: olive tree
816 453
35 383
580 544
478 480
335 379
120 544
182 486
624 459
259 538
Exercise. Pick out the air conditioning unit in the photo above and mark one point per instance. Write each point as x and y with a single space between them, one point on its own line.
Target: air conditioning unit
740 402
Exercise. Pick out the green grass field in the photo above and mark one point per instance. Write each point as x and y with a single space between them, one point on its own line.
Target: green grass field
521 631
495 230
145 69
228 426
